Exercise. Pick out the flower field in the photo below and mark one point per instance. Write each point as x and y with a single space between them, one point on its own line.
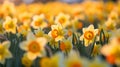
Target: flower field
56 34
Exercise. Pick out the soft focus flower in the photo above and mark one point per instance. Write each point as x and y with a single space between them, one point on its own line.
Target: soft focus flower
63 19
89 34
113 15
23 29
8 8
26 61
25 17
66 45
54 61
57 32
73 60
39 22
10 25
34 47
77 24
112 51
4 51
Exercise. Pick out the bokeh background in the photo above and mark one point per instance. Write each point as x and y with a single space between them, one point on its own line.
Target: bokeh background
44 1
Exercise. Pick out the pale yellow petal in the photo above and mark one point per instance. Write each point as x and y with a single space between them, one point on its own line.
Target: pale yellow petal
84 30
59 38
6 44
23 45
91 27
31 56
30 36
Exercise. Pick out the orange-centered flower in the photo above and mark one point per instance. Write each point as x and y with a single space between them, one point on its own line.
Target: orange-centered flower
57 32
10 25
62 19
34 47
76 64
39 21
54 33
89 34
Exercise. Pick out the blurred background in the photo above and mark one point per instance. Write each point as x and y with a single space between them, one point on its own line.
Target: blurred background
44 1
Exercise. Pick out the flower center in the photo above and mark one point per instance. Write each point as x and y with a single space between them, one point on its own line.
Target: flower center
38 22
76 64
34 47
62 20
54 33
9 25
89 35
62 46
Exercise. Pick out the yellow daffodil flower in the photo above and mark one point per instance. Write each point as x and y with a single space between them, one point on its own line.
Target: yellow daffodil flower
66 45
4 51
57 32
73 60
34 47
10 25
63 19
8 8
50 62
89 34
112 51
39 22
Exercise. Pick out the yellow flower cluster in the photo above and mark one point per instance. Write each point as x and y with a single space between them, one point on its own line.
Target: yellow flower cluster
59 34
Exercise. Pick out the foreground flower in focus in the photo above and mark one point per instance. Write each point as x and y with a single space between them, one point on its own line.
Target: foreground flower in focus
62 19
57 32
10 25
89 34
34 47
39 22
4 51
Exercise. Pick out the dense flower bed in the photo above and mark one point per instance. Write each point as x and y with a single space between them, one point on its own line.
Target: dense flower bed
60 35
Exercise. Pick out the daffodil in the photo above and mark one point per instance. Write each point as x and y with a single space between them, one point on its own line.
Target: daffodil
73 60
26 61
39 22
57 32
4 51
89 34
76 24
66 45
112 51
23 29
53 61
110 24
25 17
8 8
34 47
10 25
63 19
